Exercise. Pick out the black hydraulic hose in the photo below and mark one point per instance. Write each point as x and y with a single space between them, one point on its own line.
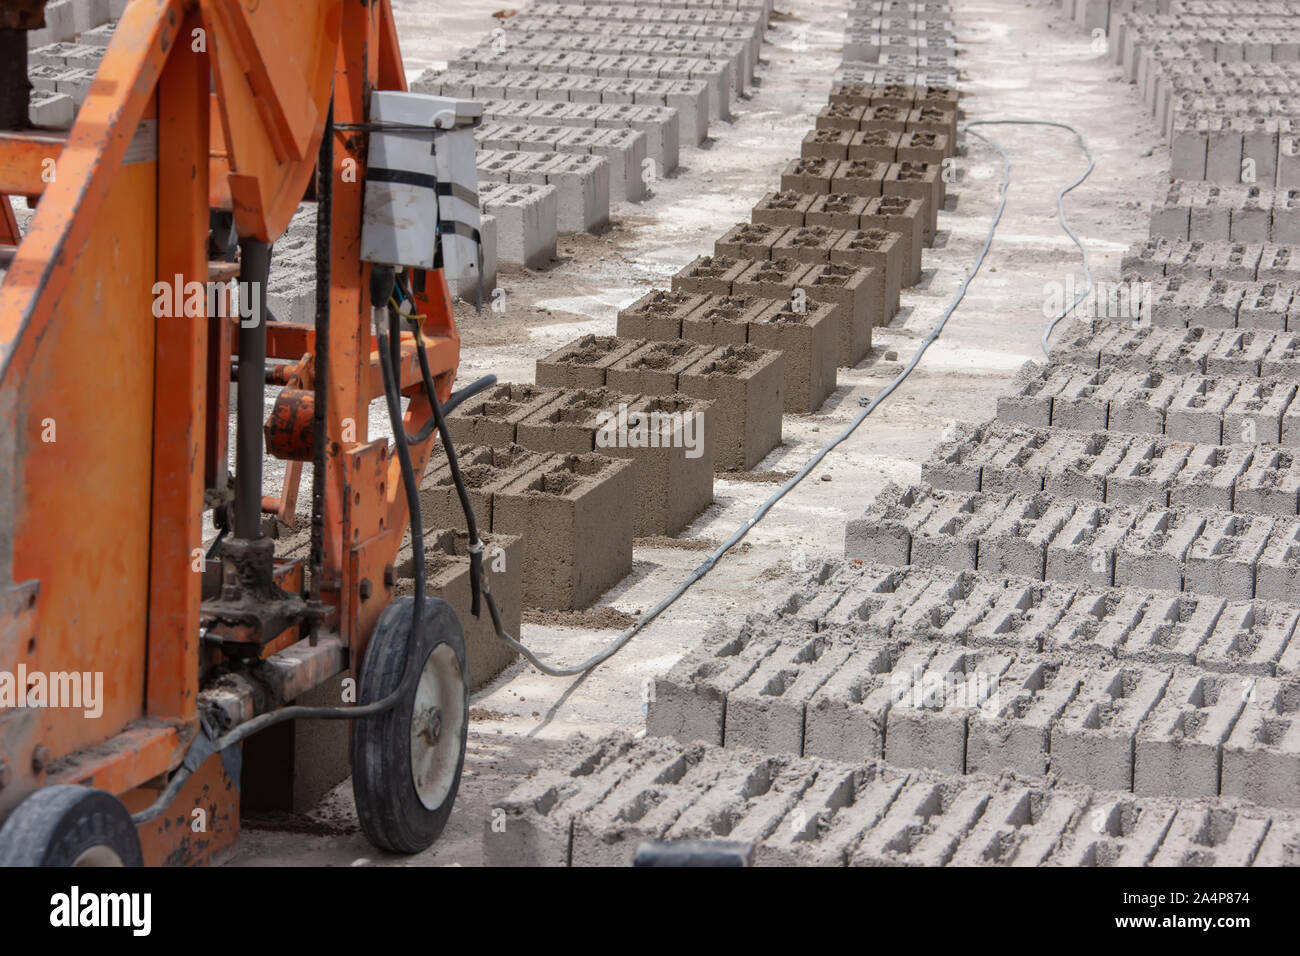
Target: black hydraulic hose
469 391
439 420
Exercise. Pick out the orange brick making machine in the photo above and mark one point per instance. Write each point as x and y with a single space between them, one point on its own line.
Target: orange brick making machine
207 125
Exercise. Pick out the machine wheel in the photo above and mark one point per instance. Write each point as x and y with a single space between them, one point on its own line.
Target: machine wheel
406 763
66 825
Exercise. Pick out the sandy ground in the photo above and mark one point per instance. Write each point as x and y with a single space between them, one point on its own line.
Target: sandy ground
1017 60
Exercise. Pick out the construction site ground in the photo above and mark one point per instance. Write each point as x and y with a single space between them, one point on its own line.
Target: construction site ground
1016 60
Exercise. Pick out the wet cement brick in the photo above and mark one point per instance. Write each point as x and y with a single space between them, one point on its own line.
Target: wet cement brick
709 275
860 294
1020 826
657 315
568 425
491 417
837 211
653 368
485 471
880 145
1213 836
724 320
809 176
846 716
807 333
1172 629
859 177
771 279
1277 576
906 216
1153 555
582 362
766 712
917 181
826 144
788 207
1116 831
1085 549
749 240
923 826
745 384
577 528
1249 638
927 727
875 248
1222 559
689 702
811 244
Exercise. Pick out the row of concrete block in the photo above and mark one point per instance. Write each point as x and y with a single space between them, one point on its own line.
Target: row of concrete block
624 150
1221 213
660 124
917 75
898 116
689 97
743 382
581 184
610 53
1117 469
1206 551
668 435
585 67
1196 258
727 288
921 702
747 382
884 250
1183 302
600 804
1108 344
1213 409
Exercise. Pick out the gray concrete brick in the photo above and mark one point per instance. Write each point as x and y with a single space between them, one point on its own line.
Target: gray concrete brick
1093 740
1179 744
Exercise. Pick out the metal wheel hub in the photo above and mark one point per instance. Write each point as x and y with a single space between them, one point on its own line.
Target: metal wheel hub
437 723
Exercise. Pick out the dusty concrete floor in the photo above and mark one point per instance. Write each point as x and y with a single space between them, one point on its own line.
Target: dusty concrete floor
1017 60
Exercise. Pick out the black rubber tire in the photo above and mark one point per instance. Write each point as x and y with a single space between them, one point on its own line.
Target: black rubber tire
59 825
392 815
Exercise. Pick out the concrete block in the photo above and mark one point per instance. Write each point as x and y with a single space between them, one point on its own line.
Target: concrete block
746 385
1093 742
658 315
577 530
1261 757
1179 745
808 335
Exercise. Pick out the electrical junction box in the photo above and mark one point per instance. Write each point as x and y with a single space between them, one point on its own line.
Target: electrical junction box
421 194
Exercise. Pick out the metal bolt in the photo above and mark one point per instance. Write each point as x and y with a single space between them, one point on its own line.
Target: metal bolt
365 589
40 758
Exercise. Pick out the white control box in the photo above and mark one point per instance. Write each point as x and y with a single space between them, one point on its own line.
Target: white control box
421 191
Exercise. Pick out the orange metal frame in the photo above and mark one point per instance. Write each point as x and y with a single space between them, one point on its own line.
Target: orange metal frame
105 409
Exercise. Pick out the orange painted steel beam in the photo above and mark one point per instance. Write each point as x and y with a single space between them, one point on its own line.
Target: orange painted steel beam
180 393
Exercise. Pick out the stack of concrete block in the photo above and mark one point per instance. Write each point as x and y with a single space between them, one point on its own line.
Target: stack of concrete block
624 150
744 382
597 806
525 215
1201 72
1240 213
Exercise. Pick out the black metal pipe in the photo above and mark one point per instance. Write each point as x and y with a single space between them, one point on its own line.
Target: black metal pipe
254 267
324 212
